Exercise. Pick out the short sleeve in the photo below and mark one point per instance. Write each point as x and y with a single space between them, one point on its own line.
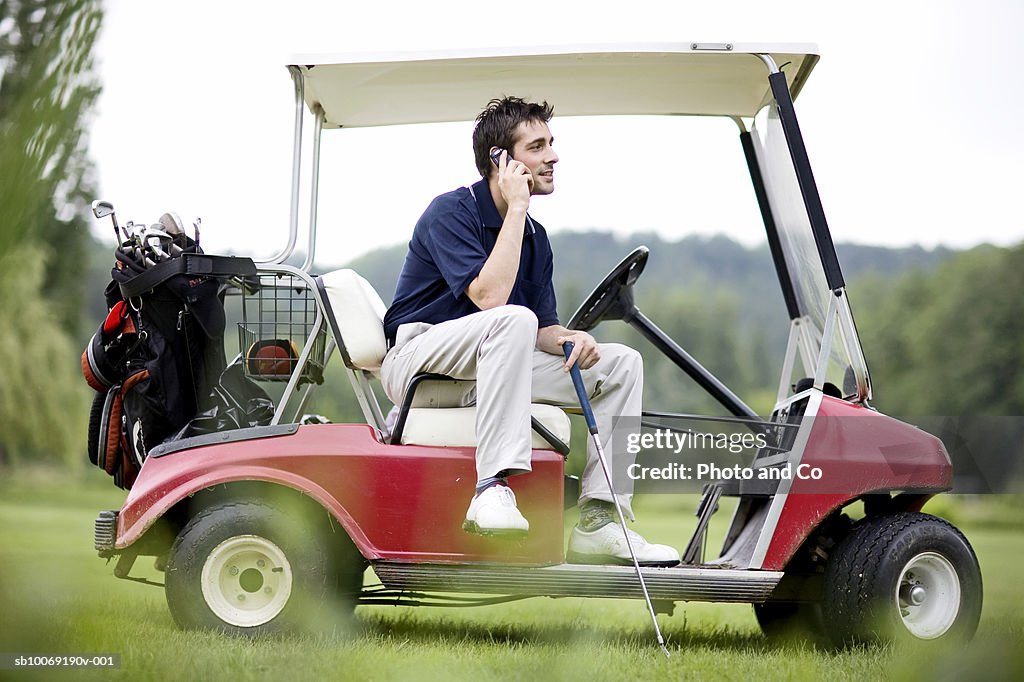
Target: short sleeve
546 308
547 311
455 243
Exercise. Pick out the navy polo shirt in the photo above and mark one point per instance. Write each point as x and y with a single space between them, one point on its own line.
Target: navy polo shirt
449 246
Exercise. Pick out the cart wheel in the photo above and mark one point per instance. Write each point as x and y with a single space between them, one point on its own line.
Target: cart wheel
790 620
903 577
247 568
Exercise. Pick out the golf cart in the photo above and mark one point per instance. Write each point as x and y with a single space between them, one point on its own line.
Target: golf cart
271 527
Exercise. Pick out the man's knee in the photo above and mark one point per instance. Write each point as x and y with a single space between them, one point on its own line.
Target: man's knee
515 318
624 356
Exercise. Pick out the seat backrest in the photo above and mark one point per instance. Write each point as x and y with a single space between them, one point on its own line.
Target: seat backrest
356 315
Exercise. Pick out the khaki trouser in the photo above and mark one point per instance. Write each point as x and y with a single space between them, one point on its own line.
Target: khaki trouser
495 347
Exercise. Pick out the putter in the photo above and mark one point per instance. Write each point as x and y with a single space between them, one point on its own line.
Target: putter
588 414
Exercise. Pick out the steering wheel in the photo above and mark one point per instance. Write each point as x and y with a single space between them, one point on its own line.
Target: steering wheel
612 299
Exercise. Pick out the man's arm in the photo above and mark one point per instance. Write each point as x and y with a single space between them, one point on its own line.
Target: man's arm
493 285
551 338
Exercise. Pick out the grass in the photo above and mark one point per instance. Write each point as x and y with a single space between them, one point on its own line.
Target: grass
57 597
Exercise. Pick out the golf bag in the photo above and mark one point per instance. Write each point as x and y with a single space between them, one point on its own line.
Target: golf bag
157 355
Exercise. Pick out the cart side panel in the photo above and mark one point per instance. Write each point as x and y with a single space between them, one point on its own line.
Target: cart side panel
402 502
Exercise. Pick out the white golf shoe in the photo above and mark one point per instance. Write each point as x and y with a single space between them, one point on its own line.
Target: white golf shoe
606 545
494 512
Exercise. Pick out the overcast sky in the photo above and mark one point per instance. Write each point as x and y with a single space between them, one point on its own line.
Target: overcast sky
908 119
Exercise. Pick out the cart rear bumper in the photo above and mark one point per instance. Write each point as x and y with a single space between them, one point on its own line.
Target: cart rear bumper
106 533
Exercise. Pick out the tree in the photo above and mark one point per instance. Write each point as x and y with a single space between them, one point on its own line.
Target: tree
47 89
949 342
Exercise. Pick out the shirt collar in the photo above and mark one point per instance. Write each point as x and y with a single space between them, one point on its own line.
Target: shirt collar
488 211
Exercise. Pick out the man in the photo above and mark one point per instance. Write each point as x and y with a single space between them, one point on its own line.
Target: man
475 300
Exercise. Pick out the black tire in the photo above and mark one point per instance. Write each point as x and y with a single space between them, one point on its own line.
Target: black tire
267 571
884 565
790 621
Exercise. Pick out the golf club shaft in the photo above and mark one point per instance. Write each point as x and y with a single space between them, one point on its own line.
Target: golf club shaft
588 415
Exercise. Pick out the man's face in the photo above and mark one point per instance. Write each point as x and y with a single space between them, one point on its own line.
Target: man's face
533 149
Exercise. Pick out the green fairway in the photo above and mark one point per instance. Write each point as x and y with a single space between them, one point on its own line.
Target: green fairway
57 597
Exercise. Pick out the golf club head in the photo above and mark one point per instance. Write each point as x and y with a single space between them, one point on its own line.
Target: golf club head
137 231
158 254
101 209
171 223
155 230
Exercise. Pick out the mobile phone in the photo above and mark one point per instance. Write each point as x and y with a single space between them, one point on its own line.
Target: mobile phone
495 155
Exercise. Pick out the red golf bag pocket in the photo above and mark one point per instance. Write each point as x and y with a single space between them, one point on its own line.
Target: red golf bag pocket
117 439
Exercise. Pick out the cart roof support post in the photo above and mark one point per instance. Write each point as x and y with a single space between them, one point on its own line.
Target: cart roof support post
314 191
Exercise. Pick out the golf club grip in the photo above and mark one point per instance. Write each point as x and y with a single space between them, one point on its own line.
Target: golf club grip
581 390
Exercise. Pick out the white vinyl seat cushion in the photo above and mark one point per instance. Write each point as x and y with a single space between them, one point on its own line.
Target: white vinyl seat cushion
456 426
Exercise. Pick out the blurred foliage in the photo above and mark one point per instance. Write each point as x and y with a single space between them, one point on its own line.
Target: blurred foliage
42 394
46 98
47 89
950 341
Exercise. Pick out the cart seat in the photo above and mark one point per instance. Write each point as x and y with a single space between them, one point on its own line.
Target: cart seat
436 414
456 426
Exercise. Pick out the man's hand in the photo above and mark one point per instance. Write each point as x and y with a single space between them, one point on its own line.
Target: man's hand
514 182
584 349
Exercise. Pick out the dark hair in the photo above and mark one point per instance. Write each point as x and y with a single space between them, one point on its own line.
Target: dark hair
496 126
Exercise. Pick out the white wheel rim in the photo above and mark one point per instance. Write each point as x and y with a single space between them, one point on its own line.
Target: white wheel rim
246 580
928 595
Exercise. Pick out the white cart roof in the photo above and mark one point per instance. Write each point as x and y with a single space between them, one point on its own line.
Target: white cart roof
358 90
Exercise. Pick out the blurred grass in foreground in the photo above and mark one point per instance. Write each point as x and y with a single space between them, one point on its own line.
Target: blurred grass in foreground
56 597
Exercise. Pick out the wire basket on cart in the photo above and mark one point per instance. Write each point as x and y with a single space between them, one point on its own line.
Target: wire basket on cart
280 323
